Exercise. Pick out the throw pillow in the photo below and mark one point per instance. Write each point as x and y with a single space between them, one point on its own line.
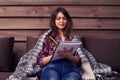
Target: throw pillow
105 50
31 41
6 53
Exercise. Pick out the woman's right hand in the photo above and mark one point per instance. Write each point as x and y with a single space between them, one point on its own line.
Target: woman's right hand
46 59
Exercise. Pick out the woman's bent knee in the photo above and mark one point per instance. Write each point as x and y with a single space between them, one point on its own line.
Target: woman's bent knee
72 76
49 74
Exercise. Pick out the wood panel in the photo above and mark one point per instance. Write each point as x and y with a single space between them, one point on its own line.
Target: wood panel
43 23
98 33
23 23
21 35
75 11
60 2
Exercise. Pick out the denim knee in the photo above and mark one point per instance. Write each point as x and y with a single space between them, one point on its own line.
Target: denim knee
49 74
72 76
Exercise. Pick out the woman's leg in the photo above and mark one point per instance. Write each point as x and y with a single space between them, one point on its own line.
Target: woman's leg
72 76
49 74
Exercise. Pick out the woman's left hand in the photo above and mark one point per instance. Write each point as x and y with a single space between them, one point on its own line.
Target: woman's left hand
65 53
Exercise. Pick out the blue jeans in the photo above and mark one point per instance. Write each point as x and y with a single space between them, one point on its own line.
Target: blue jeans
60 70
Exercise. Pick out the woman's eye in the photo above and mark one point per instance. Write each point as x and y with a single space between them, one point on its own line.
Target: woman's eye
58 18
64 18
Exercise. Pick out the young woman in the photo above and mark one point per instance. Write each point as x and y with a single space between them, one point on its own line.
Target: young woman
67 67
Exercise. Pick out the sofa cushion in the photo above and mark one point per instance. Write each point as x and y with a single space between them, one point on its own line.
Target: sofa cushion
4 75
105 50
6 53
31 41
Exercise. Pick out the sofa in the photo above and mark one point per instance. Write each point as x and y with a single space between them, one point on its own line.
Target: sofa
105 50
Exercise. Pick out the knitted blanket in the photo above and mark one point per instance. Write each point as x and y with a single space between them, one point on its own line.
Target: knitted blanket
90 68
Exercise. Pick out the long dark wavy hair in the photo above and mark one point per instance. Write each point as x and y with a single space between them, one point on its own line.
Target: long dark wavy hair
68 28
54 30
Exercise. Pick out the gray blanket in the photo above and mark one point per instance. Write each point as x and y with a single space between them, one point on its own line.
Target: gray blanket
28 65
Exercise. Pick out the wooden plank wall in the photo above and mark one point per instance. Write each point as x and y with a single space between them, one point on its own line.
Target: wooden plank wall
22 18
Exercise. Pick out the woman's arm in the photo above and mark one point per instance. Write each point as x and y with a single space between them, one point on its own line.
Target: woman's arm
44 56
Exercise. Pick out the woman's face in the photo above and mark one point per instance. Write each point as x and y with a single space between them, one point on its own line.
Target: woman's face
60 21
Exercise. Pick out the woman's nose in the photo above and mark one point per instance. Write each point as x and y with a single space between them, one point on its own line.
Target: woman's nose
61 19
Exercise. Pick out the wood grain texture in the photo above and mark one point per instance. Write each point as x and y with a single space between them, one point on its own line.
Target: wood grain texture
75 11
21 35
43 23
60 2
